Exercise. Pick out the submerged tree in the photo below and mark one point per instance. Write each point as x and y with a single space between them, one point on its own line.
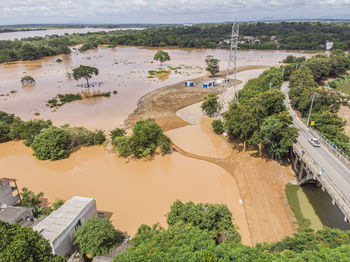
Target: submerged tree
84 72
161 56
210 104
27 80
212 65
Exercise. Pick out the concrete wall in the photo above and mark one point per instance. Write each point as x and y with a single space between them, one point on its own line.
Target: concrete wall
6 194
64 244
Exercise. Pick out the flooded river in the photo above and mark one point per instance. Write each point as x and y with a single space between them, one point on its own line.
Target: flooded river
132 192
124 69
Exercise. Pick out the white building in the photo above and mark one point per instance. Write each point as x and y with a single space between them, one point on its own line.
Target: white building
59 227
329 45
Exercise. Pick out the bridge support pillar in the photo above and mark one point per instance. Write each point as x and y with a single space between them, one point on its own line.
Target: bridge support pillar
333 202
323 189
346 219
301 170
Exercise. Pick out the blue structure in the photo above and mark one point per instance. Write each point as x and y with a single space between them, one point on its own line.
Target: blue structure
205 85
189 83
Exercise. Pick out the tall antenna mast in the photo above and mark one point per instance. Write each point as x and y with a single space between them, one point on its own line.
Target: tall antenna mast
232 61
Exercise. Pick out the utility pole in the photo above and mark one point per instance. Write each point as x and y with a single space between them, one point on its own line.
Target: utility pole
314 94
232 61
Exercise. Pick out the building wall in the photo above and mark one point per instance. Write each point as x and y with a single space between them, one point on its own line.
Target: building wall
6 194
64 244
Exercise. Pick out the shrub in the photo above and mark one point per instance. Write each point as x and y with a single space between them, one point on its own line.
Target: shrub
117 132
97 236
218 126
210 104
146 138
80 136
121 144
27 80
52 144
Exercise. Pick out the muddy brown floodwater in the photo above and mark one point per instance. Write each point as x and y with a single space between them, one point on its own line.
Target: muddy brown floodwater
138 192
124 69
141 192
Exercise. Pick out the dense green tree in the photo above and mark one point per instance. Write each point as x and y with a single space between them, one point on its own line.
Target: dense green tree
97 236
147 136
52 144
85 72
212 217
211 104
161 56
212 65
276 135
23 244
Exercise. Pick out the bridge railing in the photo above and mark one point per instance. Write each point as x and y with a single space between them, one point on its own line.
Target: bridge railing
337 152
336 193
344 158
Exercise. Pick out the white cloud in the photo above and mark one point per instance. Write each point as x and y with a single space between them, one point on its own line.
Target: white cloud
164 11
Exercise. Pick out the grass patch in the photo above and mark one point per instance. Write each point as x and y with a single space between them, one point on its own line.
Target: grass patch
293 201
174 68
341 84
153 73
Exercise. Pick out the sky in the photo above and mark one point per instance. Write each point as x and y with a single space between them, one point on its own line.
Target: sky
166 11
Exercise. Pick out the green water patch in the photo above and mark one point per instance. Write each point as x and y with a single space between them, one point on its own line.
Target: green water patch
329 214
293 201
313 208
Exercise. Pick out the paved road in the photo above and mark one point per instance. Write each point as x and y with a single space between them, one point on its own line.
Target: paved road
334 168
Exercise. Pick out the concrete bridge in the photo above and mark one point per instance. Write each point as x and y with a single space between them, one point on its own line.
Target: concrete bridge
325 165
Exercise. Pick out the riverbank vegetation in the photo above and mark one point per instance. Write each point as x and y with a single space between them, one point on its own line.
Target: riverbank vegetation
279 35
204 232
259 117
303 85
60 99
47 141
146 138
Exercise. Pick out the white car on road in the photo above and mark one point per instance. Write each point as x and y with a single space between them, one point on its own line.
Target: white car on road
313 141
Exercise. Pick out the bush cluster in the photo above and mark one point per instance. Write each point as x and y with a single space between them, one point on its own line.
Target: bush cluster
147 137
47 141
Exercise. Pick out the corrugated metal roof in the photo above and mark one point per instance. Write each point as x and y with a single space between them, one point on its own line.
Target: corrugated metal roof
57 222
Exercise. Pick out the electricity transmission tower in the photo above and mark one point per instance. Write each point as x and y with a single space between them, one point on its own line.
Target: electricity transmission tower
232 62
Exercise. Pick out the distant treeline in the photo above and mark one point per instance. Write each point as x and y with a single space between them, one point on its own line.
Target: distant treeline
293 35
9 30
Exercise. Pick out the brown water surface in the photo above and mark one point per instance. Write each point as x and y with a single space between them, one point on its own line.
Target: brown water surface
124 69
138 192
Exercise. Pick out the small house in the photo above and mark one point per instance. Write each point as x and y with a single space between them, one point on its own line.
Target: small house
59 227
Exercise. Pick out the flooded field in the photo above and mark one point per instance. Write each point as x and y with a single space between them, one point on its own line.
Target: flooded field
139 192
124 69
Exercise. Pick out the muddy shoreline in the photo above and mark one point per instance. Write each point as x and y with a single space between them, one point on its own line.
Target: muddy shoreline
163 103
